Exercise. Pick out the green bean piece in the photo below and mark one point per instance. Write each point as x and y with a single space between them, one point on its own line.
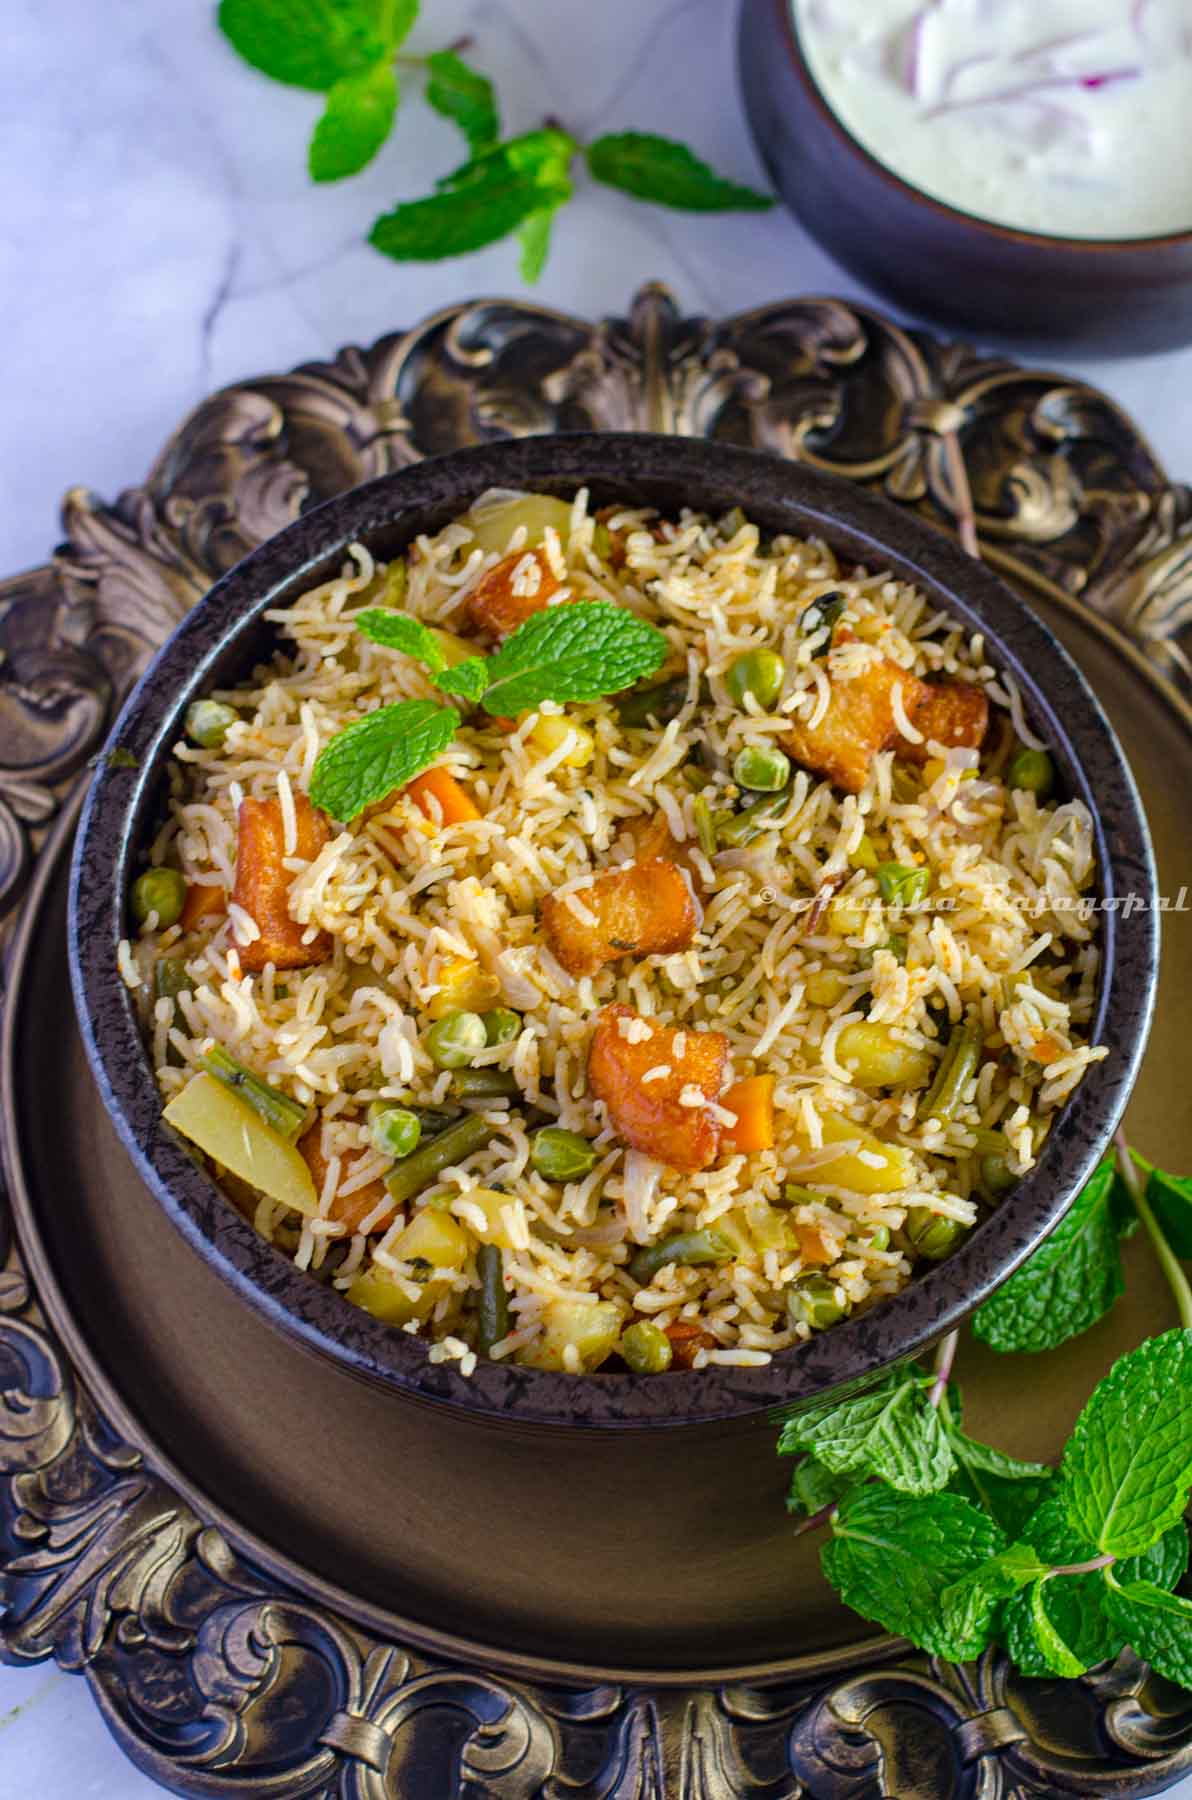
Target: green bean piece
901 885
484 1084
864 856
170 978
207 722
824 611
814 1300
452 1041
931 1234
450 1147
395 1130
160 891
602 542
286 1116
988 1143
690 1249
397 581
897 947
1031 770
705 825
956 1069
656 705
501 1025
434 1119
692 776
758 672
560 1155
996 1176
493 1322
735 830
879 1238
645 1348
795 1195
762 771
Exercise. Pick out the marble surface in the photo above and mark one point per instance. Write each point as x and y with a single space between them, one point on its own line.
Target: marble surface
158 237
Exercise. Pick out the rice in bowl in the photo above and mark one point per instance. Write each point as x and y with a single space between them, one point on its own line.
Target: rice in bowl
869 994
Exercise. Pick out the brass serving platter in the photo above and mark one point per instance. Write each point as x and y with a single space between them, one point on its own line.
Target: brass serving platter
268 1593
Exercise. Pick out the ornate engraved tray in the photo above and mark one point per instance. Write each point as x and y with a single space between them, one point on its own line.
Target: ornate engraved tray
144 1541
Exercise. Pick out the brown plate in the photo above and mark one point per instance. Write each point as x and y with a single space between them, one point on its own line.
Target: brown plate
270 1590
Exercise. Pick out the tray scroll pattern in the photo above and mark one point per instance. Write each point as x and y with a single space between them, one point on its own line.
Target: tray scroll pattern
215 1679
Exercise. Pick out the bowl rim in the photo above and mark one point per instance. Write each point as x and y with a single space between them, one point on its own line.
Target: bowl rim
121 796
789 31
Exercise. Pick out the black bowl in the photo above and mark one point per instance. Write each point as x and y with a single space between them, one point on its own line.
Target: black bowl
226 634
933 259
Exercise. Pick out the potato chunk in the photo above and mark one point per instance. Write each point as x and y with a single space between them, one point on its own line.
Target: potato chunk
517 587
350 1209
263 884
950 713
645 1109
645 908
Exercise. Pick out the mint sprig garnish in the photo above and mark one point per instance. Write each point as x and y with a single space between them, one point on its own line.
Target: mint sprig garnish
350 49
892 1431
1155 1623
576 652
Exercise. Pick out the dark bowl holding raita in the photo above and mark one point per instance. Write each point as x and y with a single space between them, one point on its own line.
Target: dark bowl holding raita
1126 291
227 634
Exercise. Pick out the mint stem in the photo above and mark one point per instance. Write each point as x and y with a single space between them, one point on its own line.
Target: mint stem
813 1521
1177 1281
945 1356
1084 1568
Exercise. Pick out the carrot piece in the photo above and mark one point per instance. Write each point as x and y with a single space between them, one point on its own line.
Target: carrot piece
263 884
438 787
499 603
812 1247
686 1337
643 909
350 1209
202 902
753 1102
649 1115
950 713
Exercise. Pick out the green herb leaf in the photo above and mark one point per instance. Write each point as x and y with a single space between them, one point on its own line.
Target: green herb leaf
468 679
378 754
1127 1467
398 631
891 1431
307 43
464 96
814 1486
394 19
969 1608
545 154
479 204
1008 1489
1075 1604
575 652
892 1558
534 237
668 173
1170 1199
1068 1284
1057 1656
356 121
1156 1624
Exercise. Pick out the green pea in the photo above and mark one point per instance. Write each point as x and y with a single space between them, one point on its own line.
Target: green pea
933 1235
645 1347
453 1041
1031 770
160 891
814 1300
559 1155
997 1177
901 885
762 771
501 1026
207 722
758 672
395 1130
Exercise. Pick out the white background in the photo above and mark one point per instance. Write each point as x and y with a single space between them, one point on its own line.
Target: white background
158 237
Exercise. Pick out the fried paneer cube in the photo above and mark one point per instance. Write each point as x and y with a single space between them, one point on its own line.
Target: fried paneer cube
645 908
352 1209
514 589
658 1084
263 884
951 713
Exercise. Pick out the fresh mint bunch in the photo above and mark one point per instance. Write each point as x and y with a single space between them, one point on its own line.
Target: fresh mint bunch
351 51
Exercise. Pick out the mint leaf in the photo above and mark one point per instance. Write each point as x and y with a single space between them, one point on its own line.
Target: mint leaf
468 679
890 1431
307 43
574 652
1127 1467
814 1486
969 1608
398 631
658 169
1008 1500
546 154
1170 1199
356 121
464 96
394 19
378 754
461 219
1156 1624
1056 1655
534 237
892 1558
1068 1284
